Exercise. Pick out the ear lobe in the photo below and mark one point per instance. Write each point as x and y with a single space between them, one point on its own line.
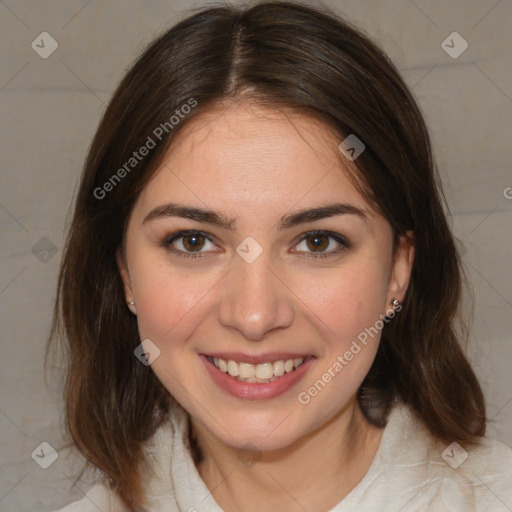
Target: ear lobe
125 276
402 267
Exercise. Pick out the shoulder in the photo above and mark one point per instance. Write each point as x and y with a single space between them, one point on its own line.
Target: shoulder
474 477
483 471
156 471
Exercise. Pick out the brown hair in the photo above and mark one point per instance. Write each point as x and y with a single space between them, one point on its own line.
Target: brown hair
278 54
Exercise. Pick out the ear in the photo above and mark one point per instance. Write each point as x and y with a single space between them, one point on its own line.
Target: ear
127 283
402 267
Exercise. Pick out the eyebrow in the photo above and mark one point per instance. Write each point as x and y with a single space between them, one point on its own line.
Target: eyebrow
221 220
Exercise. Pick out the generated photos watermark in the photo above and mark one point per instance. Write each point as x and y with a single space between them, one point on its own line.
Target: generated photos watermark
44 45
454 455
138 155
249 249
44 455
147 352
352 147
454 45
343 360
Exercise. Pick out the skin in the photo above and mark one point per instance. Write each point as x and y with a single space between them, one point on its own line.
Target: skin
256 165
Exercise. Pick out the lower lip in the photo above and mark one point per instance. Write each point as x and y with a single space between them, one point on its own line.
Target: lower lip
256 390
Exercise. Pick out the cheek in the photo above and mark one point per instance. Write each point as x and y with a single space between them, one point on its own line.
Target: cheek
347 309
347 300
169 303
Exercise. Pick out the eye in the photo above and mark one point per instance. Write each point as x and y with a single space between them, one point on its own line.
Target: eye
321 244
314 244
186 243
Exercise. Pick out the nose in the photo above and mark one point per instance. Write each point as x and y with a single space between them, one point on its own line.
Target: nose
254 301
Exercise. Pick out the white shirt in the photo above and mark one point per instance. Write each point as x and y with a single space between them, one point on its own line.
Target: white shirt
411 471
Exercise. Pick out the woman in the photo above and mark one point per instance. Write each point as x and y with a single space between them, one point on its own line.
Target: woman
259 287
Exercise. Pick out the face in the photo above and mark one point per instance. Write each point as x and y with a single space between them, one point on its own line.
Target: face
256 268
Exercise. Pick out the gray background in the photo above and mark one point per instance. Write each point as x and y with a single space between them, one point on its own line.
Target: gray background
51 107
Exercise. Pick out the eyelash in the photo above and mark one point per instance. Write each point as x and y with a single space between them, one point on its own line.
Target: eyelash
167 243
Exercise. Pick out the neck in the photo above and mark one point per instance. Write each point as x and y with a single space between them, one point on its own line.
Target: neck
313 473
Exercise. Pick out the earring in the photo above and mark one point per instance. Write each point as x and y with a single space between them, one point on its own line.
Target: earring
131 306
396 303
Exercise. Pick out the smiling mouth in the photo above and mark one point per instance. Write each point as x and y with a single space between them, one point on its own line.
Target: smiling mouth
261 373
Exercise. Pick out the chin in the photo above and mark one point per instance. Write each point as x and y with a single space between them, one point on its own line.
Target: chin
263 432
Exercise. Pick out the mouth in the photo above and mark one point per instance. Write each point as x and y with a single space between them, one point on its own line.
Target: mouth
261 373
257 377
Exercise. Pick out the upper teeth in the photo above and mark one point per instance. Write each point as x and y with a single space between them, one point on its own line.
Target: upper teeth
266 370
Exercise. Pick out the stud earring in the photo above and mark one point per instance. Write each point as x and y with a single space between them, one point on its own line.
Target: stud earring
131 303
396 303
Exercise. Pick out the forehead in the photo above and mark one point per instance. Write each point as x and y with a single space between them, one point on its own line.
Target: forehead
234 156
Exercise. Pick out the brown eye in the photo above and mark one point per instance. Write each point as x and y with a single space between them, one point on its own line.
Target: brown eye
317 243
190 244
194 242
